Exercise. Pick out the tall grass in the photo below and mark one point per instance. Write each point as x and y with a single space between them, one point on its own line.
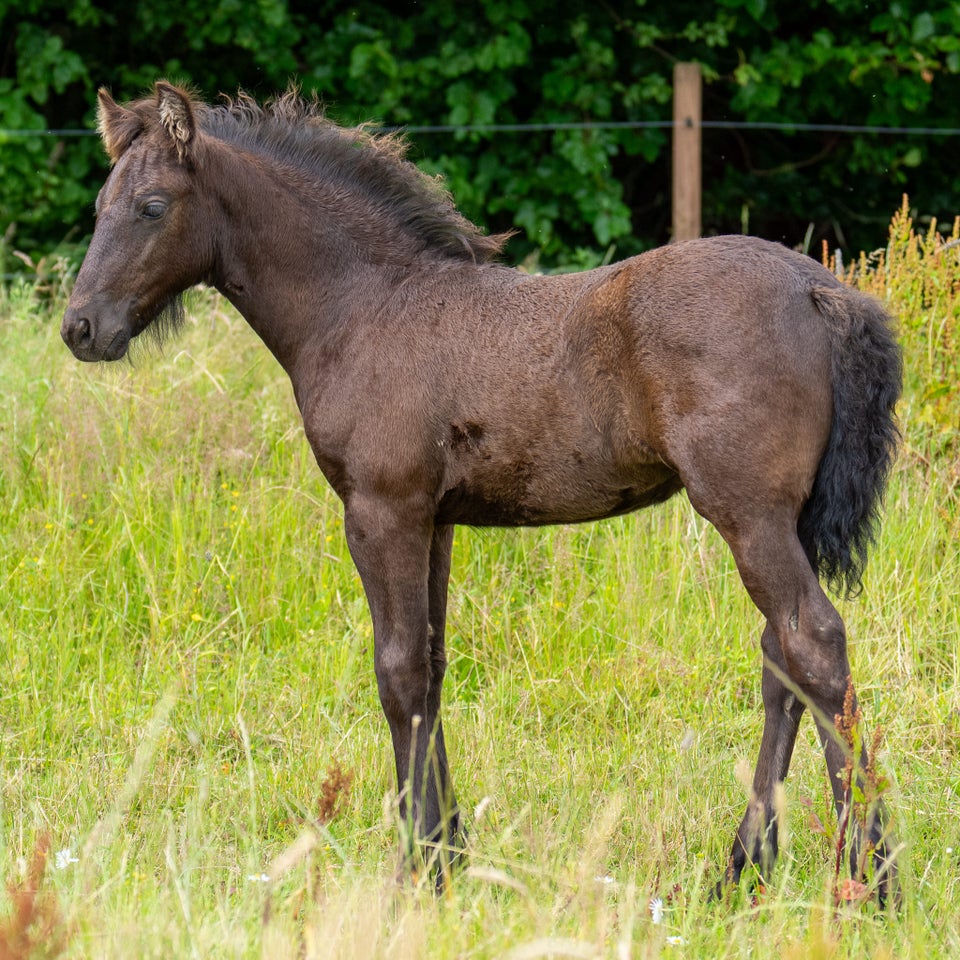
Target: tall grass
188 704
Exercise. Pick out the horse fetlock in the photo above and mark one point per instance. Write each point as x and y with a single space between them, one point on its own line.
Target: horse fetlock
871 856
432 841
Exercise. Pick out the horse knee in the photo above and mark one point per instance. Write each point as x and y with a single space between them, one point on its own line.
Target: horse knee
403 681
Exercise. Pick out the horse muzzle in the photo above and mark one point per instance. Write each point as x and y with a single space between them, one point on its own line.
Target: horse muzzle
92 337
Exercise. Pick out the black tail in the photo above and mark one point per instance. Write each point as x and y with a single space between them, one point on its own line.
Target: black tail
838 524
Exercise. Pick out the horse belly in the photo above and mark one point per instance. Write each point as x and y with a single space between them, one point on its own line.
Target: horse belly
523 494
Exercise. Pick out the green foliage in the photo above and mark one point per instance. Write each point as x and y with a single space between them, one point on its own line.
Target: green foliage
531 61
918 274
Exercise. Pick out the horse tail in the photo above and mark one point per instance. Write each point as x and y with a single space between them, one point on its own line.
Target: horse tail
838 523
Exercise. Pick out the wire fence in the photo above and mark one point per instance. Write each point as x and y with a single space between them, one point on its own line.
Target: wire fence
783 127
519 128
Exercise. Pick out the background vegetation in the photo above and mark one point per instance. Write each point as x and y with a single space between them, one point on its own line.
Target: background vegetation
893 62
192 756
193 761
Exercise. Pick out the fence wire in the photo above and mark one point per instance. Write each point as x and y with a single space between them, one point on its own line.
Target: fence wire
783 127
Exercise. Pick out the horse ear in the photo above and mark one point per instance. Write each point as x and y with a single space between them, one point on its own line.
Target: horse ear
118 126
177 116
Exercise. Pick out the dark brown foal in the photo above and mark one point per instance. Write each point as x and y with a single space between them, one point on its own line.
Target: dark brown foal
439 387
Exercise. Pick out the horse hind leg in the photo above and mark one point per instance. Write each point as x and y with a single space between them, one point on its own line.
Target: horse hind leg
816 655
810 652
805 666
756 841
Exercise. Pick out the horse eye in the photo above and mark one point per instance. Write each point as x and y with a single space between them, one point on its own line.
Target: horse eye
154 210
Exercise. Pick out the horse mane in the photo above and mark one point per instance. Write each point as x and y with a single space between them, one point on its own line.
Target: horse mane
295 130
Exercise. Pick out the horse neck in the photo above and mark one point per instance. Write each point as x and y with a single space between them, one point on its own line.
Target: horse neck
293 258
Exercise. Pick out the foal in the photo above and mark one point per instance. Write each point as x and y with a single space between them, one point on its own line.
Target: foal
439 387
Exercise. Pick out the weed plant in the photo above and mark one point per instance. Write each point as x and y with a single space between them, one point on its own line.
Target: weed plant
194 762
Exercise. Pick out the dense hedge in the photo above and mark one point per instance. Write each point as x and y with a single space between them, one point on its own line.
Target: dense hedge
440 62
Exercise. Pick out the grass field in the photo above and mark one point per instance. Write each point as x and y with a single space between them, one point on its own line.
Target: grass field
189 722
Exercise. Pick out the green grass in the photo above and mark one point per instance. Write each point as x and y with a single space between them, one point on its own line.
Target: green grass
186 652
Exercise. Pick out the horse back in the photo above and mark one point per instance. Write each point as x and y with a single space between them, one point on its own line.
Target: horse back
705 365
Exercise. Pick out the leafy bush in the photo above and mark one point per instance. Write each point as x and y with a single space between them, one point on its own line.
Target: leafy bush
918 274
524 62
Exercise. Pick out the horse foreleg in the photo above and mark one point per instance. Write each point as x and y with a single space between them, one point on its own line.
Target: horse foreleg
396 556
449 835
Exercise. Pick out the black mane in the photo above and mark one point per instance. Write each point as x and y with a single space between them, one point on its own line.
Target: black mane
294 130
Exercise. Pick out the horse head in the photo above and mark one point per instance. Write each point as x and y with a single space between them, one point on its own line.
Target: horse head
151 240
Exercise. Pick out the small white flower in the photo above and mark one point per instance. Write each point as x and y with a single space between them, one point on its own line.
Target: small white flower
676 941
606 880
63 858
258 877
656 910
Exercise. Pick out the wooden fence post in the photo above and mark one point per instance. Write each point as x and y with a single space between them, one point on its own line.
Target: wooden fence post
686 150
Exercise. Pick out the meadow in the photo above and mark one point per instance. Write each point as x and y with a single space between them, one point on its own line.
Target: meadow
194 761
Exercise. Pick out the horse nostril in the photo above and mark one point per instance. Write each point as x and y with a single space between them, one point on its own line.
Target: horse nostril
79 332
